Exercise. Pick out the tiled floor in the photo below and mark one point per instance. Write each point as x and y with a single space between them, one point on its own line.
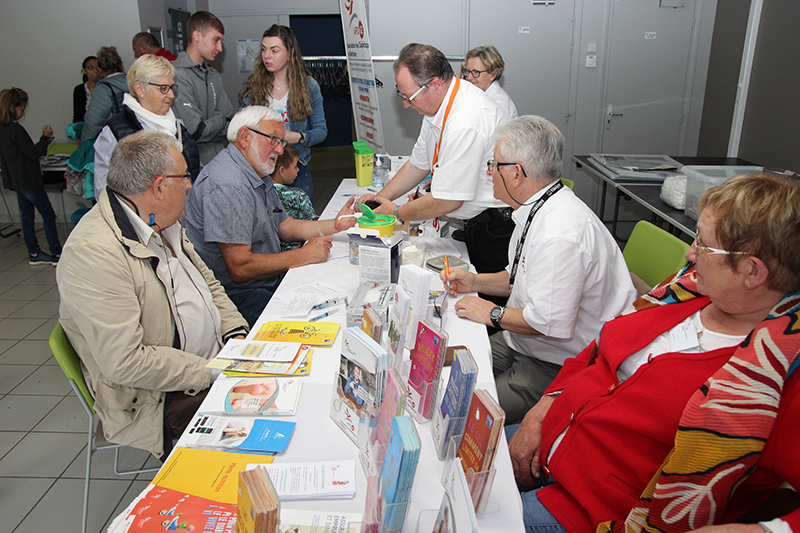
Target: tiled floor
42 424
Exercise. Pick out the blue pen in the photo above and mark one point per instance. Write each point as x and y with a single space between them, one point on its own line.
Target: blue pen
326 304
319 317
373 190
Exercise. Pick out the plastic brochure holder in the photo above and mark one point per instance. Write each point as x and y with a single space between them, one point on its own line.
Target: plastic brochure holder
419 395
356 422
480 483
370 452
446 426
426 520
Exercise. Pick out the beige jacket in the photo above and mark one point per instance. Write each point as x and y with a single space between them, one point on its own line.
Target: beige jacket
119 318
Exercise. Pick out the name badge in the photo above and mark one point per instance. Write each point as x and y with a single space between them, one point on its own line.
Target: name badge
683 337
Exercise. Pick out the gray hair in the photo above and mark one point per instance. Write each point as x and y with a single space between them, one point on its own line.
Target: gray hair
250 117
491 59
147 68
424 63
108 60
535 143
139 158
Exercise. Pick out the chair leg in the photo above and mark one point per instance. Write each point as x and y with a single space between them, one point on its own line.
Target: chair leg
119 472
89 451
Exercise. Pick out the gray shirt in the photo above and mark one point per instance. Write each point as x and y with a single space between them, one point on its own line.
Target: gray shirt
229 203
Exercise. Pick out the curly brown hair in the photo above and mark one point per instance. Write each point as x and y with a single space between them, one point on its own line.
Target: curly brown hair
259 83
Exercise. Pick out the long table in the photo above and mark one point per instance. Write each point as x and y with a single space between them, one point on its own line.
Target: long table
647 192
317 438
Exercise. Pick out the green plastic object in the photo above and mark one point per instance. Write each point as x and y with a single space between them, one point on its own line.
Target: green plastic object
69 362
369 213
653 254
361 148
569 183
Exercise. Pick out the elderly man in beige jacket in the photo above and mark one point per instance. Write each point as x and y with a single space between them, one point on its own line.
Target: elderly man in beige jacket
139 306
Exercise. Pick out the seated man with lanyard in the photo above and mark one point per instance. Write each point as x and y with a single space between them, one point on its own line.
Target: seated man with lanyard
566 275
138 305
454 144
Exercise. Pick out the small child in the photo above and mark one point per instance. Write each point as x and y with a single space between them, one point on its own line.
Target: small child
295 201
19 163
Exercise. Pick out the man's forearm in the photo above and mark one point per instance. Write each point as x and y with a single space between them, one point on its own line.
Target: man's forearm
426 208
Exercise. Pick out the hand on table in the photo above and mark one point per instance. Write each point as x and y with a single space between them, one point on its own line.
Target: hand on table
318 248
475 309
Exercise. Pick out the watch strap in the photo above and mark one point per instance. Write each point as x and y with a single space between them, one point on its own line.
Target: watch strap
396 213
496 321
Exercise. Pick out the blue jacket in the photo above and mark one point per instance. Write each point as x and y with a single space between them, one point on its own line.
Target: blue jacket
314 126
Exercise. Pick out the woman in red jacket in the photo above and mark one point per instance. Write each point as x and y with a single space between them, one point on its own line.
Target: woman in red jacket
683 414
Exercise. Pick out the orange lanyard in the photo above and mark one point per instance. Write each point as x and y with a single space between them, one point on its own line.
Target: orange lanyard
444 121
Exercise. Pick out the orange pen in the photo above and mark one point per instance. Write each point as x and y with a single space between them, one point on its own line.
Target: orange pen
447 271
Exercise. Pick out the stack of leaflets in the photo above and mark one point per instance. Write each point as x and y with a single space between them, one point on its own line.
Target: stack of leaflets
394 402
328 480
416 282
448 423
265 396
371 324
636 167
295 521
258 506
427 360
359 383
313 333
164 509
299 366
397 473
243 433
399 315
456 512
485 421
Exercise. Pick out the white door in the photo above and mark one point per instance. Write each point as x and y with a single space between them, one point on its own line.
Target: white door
648 64
537 41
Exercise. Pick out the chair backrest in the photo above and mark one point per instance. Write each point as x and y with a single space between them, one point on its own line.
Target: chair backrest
653 254
70 363
569 183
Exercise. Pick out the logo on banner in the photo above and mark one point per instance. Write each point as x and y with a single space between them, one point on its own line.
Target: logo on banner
358 29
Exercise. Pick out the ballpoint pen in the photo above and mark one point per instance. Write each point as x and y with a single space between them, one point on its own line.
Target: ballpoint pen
319 317
327 303
416 194
446 271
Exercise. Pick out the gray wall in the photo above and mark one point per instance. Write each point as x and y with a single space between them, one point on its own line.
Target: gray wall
771 129
723 77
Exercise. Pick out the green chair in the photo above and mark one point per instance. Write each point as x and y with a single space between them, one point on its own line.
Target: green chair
61 148
71 365
568 183
653 254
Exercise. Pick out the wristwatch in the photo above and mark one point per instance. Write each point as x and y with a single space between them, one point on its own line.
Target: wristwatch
396 213
302 137
496 314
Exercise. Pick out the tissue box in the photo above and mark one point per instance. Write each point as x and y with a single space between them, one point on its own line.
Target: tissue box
378 257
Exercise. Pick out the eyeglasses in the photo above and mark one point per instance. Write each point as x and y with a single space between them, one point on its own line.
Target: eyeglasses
410 99
165 88
186 175
465 72
701 248
273 140
497 165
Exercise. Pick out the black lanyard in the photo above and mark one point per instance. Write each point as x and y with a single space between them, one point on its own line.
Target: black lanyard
536 206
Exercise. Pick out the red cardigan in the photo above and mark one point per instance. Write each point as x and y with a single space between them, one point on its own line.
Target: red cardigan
619 435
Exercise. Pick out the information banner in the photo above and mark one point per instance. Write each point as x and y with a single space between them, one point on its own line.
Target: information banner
362 75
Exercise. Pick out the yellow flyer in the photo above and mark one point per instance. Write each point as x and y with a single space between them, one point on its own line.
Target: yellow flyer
210 474
314 333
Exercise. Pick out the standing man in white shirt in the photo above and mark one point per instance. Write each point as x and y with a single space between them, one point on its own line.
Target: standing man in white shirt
201 102
566 275
454 144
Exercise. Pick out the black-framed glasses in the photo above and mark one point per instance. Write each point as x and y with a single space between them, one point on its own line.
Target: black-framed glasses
465 72
185 175
273 140
497 165
165 88
410 99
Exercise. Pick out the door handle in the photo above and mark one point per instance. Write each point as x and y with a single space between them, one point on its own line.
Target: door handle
610 113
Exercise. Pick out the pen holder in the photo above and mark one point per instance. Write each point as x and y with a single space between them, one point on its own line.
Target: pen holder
480 483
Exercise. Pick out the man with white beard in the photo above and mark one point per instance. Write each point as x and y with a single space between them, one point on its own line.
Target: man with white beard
236 221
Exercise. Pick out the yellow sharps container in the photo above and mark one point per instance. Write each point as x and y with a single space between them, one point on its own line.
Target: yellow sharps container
365 160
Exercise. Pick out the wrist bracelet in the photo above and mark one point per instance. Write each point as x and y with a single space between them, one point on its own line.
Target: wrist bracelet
396 213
